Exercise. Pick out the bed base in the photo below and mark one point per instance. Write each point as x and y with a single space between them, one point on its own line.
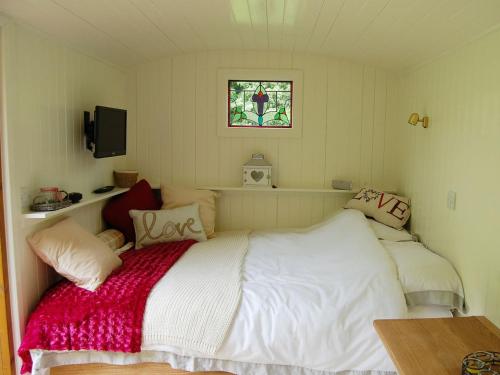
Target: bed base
138 369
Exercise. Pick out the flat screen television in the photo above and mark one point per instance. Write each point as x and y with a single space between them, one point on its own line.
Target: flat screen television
107 134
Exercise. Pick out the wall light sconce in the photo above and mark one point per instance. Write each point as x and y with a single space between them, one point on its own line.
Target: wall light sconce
415 118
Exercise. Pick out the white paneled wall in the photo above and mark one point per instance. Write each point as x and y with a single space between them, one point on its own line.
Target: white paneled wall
47 88
381 32
458 152
344 136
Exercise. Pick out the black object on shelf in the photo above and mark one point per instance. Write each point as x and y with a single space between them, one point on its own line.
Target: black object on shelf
103 189
75 197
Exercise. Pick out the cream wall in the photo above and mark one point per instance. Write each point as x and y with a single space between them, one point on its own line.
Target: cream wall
354 127
344 134
46 89
460 151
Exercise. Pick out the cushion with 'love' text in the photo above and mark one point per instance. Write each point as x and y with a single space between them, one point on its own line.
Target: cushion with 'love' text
157 226
388 209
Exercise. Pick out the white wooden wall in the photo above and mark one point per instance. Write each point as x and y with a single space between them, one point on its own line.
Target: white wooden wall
47 88
344 134
458 152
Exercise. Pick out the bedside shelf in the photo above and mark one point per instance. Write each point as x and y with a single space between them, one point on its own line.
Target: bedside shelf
277 190
87 200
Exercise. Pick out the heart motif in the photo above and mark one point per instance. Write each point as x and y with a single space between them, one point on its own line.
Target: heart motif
257 175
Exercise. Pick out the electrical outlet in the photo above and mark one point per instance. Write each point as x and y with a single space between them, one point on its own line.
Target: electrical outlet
452 200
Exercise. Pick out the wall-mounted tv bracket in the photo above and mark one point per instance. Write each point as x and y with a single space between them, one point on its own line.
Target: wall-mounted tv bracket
89 130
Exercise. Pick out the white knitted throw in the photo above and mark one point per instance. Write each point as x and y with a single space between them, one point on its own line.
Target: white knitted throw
193 305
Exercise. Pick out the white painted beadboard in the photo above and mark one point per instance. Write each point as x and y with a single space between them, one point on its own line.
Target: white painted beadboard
47 89
277 189
393 34
343 137
459 151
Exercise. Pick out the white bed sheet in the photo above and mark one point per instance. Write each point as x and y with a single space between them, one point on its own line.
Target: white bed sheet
309 299
50 359
429 311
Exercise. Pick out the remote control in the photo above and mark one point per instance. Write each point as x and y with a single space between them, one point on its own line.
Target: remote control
103 189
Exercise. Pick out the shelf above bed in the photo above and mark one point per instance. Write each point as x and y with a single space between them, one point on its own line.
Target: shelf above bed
277 190
87 200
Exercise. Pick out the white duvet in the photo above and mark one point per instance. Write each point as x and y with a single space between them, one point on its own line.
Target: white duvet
309 299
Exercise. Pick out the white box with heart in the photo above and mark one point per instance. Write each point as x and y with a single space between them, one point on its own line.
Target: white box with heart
257 172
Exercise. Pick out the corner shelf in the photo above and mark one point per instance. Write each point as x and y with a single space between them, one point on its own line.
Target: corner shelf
92 198
276 190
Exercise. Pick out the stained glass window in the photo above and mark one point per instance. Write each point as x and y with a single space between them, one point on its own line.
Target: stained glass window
266 104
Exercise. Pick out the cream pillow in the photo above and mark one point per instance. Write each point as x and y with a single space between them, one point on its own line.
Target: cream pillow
177 224
388 209
174 197
75 253
384 232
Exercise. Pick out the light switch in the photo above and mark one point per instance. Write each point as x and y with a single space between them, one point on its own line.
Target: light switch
452 199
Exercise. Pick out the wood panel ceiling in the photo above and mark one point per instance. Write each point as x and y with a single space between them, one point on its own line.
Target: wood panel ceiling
394 34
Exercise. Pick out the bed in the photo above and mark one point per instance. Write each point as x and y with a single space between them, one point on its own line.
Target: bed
308 301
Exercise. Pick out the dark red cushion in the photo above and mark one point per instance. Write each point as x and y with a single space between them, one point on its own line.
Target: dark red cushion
139 197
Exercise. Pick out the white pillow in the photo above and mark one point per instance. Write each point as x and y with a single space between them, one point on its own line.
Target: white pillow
426 278
384 232
75 253
159 226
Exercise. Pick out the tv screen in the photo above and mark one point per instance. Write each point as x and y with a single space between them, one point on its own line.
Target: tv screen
110 132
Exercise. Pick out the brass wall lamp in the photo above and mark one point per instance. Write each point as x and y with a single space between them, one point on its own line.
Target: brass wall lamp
415 118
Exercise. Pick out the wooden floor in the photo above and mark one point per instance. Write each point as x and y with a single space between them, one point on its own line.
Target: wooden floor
140 369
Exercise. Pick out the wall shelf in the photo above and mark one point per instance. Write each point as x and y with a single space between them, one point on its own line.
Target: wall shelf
87 200
277 190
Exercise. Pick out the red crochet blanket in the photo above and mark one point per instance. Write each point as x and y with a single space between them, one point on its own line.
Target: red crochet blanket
109 319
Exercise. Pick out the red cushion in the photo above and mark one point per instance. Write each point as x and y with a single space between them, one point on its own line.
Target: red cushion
139 197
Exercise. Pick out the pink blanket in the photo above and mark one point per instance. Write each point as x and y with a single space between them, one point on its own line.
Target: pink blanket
109 319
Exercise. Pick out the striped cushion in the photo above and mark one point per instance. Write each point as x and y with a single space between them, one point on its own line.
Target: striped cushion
113 238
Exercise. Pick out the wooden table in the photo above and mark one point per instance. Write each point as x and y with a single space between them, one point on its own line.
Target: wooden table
436 346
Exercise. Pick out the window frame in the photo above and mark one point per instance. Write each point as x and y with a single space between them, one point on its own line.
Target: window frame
259 126
223 105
